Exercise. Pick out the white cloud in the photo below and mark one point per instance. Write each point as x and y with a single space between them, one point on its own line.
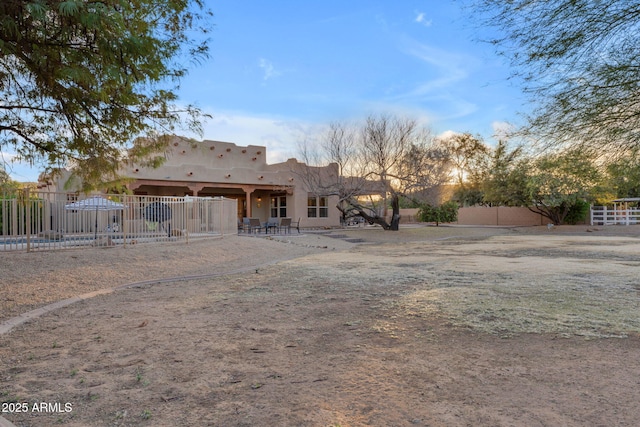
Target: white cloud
6 157
268 69
281 136
18 171
447 134
420 19
502 130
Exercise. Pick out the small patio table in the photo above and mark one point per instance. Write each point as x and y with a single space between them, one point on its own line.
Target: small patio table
271 224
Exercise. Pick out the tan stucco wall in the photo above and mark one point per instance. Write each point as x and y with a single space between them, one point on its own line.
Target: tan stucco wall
213 161
408 215
217 164
499 215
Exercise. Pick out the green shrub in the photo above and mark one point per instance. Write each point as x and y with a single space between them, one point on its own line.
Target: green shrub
447 212
577 212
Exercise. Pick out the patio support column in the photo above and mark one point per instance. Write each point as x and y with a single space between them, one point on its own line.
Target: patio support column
195 188
248 190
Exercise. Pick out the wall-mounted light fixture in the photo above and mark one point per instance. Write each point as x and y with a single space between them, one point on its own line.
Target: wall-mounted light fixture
259 201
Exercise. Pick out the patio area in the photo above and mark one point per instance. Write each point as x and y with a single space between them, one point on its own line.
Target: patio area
271 226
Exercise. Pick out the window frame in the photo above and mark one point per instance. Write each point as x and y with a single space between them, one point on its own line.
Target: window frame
279 208
317 206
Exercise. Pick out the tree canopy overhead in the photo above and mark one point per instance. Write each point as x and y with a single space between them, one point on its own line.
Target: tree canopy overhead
80 80
580 61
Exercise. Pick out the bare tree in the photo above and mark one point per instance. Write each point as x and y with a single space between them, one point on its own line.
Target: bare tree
379 162
337 150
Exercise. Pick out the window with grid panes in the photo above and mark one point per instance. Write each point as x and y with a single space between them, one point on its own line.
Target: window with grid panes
317 207
278 207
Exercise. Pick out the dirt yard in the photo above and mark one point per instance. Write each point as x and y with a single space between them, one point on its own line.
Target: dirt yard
447 326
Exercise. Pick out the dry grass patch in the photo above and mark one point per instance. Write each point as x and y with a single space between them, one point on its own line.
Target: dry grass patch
504 285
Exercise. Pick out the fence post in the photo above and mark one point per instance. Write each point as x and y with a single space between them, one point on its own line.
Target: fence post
626 215
125 217
221 211
185 216
25 203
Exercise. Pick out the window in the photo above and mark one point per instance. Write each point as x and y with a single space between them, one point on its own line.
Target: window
312 210
324 207
278 206
317 207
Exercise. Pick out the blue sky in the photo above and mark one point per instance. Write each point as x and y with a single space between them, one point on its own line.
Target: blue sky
280 70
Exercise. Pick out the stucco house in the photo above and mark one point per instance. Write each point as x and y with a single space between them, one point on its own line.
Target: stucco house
215 168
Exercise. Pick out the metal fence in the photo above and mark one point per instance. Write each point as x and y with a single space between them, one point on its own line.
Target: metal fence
31 220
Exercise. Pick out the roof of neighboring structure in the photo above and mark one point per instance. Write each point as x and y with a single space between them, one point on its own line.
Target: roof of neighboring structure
627 199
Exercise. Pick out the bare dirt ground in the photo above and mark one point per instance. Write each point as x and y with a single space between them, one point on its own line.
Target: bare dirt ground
447 326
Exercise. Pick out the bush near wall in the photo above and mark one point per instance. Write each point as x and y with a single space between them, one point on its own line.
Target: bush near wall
578 213
447 212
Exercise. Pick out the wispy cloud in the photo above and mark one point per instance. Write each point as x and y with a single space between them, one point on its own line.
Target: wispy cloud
269 71
449 68
422 20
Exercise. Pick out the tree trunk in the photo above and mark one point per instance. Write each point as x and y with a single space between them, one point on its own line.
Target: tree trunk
395 218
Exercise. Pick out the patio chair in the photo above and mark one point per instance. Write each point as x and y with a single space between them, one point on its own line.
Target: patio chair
254 224
285 223
271 224
296 225
245 224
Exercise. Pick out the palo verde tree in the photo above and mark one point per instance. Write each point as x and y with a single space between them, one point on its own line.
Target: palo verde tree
80 81
376 163
580 62
623 175
550 184
468 155
505 176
